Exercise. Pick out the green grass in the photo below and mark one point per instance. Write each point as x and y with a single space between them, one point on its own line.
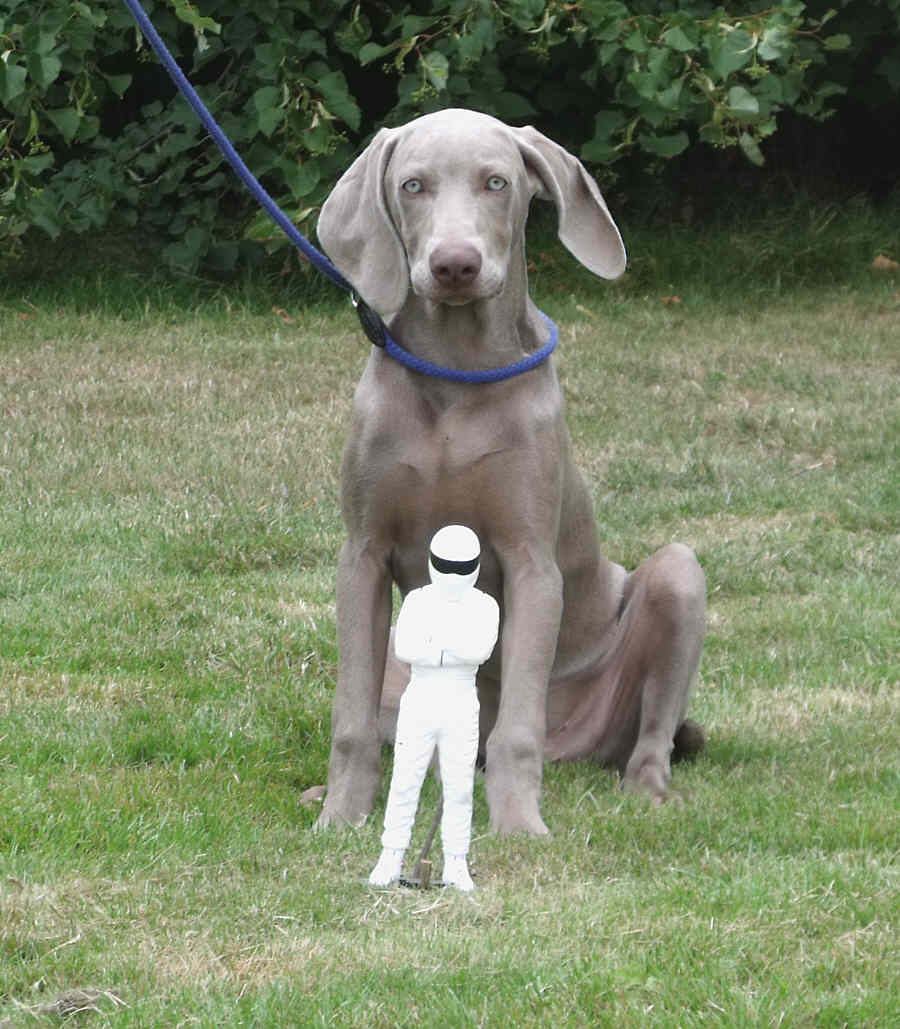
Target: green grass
168 537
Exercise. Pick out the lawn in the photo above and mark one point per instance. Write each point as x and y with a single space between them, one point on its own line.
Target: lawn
169 529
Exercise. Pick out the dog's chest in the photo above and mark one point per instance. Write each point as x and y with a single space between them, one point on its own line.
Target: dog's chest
438 468
453 445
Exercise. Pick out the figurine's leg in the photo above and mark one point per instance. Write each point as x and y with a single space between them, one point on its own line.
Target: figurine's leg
458 750
413 749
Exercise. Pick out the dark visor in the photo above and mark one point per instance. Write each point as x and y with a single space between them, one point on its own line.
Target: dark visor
441 564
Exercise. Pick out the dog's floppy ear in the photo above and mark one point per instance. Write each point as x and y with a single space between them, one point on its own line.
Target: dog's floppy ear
586 227
357 233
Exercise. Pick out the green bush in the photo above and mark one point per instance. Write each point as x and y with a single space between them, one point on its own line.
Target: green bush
92 132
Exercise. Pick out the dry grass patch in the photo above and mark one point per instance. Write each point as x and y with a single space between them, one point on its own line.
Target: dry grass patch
796 713
82 693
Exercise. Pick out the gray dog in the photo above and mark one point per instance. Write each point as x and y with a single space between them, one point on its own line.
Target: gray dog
428 223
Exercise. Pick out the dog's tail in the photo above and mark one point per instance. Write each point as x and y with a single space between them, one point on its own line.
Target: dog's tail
689 740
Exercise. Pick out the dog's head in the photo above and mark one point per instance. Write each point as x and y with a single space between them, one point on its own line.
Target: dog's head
438 204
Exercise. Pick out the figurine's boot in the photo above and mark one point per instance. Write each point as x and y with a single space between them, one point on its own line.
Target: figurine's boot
456 873
389 867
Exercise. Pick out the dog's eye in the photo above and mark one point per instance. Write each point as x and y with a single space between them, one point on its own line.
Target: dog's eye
495 183
413 186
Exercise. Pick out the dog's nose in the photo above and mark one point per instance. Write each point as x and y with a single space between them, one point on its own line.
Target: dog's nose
455 264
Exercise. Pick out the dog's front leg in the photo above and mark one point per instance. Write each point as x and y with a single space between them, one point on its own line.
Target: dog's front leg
363 622
515 748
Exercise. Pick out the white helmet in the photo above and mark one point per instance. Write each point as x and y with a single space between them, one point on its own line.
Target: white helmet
454 560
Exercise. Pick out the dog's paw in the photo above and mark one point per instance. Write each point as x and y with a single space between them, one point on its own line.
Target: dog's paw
649 777
518 820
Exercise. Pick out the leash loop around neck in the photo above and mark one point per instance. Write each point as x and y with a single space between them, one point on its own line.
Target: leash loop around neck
372 324
437 371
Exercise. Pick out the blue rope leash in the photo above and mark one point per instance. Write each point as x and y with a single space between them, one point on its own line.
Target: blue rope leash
436 371
371 322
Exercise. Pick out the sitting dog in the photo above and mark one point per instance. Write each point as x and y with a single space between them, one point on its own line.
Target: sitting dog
428 224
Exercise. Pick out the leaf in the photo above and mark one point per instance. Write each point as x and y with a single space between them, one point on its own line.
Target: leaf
118 83
269 120
742 101
513 106
481 36
404 50
730 52
606 123
841 41
96 18
320 139
665 146
37 163
679 40
636 42
37 41
605 17
371 52
266 97
601 149
750 147
526 13
608 53
415 24
44 68
186 12
44 218
336 94
89 127
187 251
34 126
437 69
669 98
774 43
303 178
66 120
599 152
12 81
311 42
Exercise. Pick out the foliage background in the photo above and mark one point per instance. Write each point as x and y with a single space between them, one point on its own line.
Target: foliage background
684 94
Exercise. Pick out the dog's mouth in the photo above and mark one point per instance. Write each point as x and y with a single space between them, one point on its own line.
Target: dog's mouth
458 299
488 283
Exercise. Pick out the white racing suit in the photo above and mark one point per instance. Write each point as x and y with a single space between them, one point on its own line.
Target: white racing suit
444 634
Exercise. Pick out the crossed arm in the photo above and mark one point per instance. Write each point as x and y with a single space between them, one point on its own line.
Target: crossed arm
433 632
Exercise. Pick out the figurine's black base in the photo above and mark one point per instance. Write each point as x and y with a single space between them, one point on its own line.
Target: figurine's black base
422 878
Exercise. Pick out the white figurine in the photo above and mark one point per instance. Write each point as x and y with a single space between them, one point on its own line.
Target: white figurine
444 631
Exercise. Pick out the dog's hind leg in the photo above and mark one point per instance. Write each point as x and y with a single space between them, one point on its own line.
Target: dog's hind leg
631 711
669 595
